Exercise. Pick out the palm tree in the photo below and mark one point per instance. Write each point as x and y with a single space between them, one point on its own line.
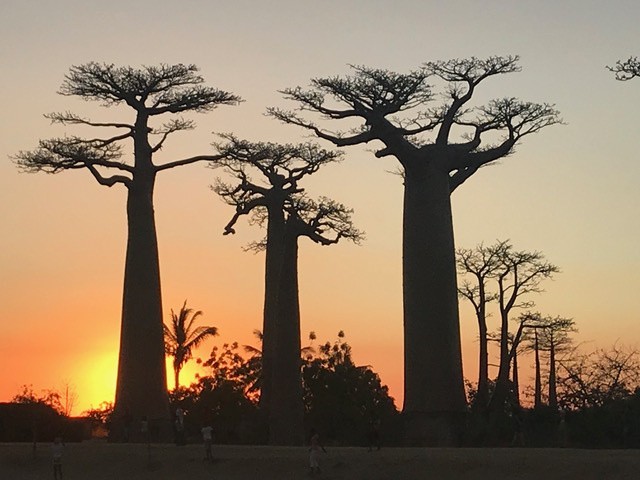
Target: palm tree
181 337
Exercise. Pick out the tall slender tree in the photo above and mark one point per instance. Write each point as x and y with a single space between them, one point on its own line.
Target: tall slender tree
519 275
555 338
439 147
515 339
479 264
277 202
181 336
150 92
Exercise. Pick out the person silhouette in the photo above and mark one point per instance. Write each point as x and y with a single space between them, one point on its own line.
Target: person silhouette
127 419
374 435
518 428
180 433
56 450
314 452
207 437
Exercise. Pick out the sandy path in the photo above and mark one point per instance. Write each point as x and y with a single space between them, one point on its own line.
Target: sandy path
101 461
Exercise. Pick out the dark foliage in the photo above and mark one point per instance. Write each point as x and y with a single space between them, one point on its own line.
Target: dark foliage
32 417
224 399
344 401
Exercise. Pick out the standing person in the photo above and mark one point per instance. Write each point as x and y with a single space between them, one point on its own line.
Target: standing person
144 428
56 450
127 419
314 452
180 435
563 435
374 435
518 428
207 436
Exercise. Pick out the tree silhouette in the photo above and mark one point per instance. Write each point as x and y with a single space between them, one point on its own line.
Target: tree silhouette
520 273
181 336
396 110
626 70
554 337
256 357
150 91
277 202
342 397
515 341
598 378
479 263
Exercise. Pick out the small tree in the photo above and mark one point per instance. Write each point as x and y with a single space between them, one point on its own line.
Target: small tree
222 396
598 378
181 336
150 92
343 399
439 147
50 398
277 202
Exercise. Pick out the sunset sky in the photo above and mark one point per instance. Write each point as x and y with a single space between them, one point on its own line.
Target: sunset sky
570 191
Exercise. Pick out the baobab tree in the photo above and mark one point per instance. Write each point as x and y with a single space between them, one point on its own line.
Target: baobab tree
439 147
150 92
181 336
477 266
278 203
554 338
626 70
598 378
515 340
520 273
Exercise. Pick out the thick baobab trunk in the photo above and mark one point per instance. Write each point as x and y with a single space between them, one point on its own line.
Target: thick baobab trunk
273 271
516 380
434 398
537 396
482 395
553 395
501 392
286 410
142 382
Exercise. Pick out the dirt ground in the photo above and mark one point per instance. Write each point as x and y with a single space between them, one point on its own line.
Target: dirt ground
102 461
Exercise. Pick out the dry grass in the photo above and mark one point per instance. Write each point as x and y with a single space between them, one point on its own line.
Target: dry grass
102 461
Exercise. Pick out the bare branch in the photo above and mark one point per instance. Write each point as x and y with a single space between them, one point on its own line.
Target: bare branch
55 155
371 94
325 222
468 72
626 70
69 118
109 181
170 127
188 161
283 165
517 118
338 139
243 209
167 88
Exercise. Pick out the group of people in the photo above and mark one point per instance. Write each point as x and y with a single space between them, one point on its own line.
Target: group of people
206 432
315 445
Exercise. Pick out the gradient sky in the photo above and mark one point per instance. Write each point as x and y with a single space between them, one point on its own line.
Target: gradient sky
569 191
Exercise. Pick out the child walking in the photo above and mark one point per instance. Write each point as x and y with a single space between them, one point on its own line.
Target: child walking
314 452
207 436
56 450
